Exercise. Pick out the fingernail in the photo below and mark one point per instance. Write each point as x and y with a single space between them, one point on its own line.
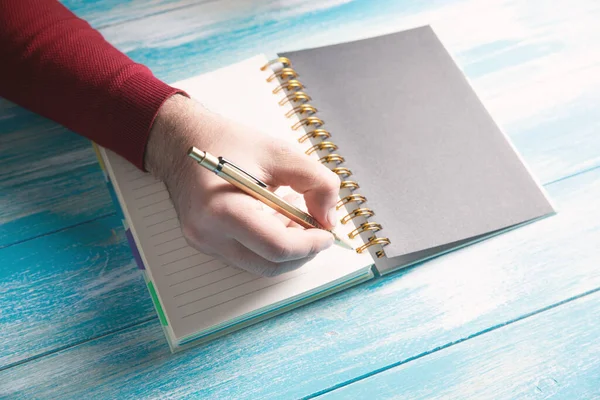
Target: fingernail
332 216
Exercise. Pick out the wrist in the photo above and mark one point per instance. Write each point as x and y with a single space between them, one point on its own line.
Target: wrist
169 138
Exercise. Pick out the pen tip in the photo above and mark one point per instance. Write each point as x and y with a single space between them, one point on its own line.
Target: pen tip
342 243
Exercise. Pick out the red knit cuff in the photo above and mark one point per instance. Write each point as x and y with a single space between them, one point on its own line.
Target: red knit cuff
140 98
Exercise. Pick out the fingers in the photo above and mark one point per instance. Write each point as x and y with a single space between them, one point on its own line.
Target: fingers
238 255
296 200
267 235
287 166
268 244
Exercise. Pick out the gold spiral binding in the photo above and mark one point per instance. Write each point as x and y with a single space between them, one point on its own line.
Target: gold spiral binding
316 122
292 88
317 133
295 98
332 158
359 212
349 185
353 198
342 171
283 73
365 226
301 109
281 60
322 146
373 240
289 85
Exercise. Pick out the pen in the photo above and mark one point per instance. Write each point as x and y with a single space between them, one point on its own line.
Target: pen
259 190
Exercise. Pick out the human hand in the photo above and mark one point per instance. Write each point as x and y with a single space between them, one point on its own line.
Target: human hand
220 220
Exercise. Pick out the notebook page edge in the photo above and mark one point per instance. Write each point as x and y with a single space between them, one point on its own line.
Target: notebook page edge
147 272
366 275
386 265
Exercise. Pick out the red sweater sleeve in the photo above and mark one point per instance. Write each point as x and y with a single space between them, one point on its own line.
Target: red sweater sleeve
57 65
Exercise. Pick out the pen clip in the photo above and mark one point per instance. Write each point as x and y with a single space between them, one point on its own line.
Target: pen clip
223 161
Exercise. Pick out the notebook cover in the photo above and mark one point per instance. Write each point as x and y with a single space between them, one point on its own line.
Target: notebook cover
432 163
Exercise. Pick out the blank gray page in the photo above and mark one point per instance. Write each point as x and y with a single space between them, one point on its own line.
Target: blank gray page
432 163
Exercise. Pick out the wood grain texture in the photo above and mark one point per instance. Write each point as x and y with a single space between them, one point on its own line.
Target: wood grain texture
536 66
112 12
65 288
553 355
49 177
352 333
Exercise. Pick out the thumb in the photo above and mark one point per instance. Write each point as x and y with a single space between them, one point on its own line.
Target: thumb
319 186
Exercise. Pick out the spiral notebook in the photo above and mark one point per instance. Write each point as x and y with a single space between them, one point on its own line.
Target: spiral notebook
423 170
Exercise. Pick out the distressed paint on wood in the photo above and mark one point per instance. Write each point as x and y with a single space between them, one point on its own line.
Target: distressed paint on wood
536 69
62 289
551 355
49 177
354 332
112 12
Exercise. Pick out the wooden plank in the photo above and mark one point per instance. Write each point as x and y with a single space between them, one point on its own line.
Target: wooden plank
49 177
354 332
541 90
557 155
551 355
65 288
572 159
112 12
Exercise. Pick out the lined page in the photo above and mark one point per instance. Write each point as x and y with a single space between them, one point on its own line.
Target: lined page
197 291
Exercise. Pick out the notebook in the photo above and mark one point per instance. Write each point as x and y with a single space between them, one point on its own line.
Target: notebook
423 170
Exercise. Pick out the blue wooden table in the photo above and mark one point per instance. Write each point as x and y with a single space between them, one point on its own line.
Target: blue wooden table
517 316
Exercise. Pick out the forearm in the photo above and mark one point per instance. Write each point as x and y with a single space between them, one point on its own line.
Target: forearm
56 65
171 135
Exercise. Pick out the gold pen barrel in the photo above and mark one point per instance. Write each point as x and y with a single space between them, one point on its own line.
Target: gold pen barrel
243 181
263 194
257 189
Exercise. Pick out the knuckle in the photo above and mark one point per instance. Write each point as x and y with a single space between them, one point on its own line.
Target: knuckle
313 250
332 181
220 209
212 252
276 269
269 271
320 178
193 235
281 149
311 179
284 154
189 231
279 251
236 260
263 269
